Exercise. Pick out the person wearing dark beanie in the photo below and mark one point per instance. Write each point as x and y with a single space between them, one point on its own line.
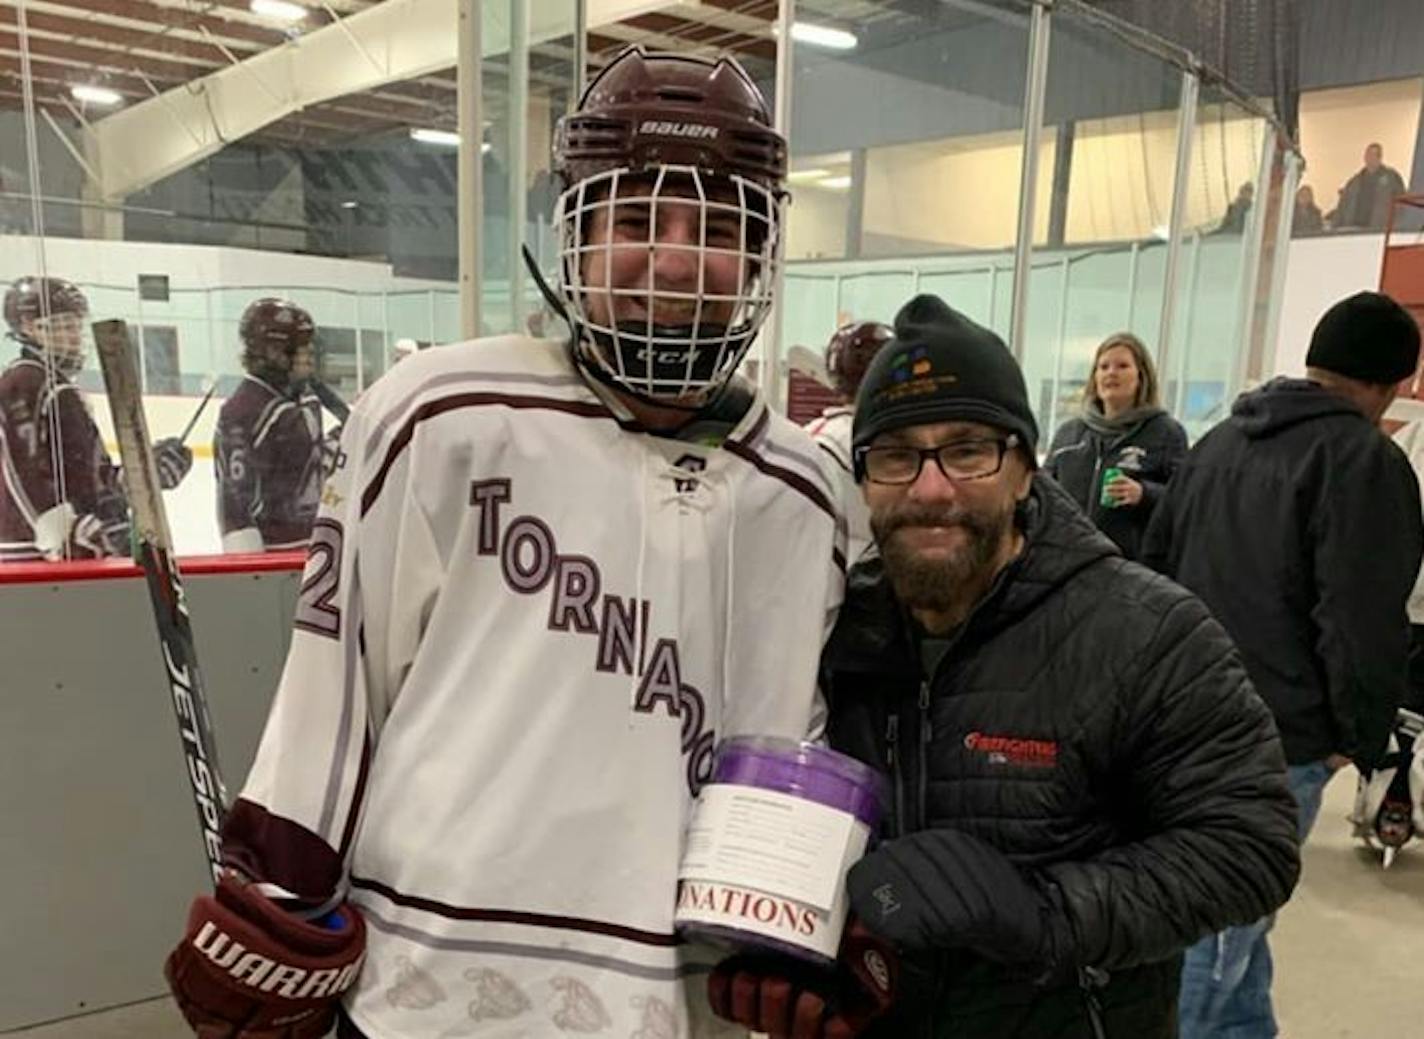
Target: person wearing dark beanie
943 366
989 660
1367 337
1298 523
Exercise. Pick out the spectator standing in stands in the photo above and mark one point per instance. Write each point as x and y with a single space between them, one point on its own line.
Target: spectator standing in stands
1115 459
1298 523
1365 198
1235 220
1307 219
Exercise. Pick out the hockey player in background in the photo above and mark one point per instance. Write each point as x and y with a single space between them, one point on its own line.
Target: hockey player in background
61 496
547 577
849 353
267 448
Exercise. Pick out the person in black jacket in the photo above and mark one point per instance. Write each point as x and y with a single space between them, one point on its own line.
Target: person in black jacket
1298 523
1123 428
1084 781
1366 197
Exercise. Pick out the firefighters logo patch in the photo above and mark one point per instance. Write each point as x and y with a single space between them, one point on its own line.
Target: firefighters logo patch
1012 750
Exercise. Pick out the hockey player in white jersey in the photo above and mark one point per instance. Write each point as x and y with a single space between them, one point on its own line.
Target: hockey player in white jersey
547 577
848 354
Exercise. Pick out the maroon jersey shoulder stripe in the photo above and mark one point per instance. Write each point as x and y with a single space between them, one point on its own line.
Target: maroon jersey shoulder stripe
758 427
439 406
363 772
792 479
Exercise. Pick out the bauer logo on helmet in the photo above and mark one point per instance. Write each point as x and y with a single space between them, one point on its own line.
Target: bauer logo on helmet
662 128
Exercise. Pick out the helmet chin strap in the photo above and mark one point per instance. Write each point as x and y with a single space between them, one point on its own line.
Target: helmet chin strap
579 345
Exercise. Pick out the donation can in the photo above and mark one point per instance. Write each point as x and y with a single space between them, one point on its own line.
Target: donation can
772 837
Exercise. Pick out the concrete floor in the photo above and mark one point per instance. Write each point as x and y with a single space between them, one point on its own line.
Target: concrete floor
1348 948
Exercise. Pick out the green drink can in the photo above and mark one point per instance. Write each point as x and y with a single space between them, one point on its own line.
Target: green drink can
1105 499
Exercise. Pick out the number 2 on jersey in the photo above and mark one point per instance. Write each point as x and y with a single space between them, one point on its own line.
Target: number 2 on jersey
316 609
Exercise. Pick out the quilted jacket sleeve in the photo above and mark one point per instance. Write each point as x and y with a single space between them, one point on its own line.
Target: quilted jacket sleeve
1204 764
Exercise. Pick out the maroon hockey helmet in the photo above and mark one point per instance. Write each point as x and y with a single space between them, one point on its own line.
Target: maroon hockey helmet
30 298
850 352
645 111
272 330
275 322
680 131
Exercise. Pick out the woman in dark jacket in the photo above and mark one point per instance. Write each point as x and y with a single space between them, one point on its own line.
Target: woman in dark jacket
1122 428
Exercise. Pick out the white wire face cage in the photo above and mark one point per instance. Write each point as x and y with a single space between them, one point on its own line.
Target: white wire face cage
62 337
668 275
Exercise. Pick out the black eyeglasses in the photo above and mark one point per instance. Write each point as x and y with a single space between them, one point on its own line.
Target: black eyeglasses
958 460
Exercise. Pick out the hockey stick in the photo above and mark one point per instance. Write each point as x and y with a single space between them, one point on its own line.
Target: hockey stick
329 398
202 406
165 588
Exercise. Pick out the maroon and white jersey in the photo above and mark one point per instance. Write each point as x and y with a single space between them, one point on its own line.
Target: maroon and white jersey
832 433
267 452
60 494
523 627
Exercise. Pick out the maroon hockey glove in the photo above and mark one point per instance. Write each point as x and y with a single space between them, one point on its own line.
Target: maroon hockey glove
172 459
787 1000
247 969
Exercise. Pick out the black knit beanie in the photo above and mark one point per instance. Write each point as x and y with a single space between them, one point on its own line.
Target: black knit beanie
941 367
1368 337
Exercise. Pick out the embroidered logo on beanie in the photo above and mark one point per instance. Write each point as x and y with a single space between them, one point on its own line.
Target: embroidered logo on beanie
912 374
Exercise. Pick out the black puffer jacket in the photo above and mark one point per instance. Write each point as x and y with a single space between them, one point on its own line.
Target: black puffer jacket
1146 450
1151 803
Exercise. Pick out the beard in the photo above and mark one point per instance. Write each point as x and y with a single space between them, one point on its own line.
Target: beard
941 583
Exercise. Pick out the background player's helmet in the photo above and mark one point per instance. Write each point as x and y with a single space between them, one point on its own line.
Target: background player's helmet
273 332
660 126
48 315
850 352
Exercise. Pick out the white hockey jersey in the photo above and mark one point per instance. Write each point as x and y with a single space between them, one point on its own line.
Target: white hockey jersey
832 433
522 629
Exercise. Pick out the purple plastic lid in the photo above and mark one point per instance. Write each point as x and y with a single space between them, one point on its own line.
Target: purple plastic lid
804 769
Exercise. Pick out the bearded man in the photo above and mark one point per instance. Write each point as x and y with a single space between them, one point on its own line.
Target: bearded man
1084 781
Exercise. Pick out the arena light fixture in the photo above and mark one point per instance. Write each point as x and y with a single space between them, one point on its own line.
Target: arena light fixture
834 183
278 10
806 176
93 95
427 135
444 138
823 36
